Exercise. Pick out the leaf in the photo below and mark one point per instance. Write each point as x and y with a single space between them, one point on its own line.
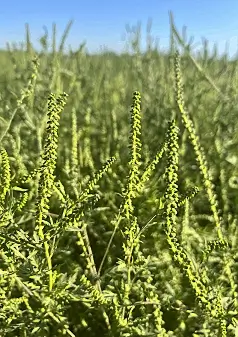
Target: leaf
19 189
72 278
232 159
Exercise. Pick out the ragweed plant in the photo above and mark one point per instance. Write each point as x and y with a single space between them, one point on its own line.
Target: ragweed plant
209 187
200 285
76 255
5 185
46 181
26 94
200 157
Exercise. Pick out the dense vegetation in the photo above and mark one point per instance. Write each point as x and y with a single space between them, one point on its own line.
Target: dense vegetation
118 194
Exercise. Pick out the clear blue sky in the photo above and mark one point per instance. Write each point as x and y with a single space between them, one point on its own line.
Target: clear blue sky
102 22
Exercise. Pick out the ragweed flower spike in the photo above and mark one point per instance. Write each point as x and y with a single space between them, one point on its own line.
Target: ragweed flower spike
194 139
46 182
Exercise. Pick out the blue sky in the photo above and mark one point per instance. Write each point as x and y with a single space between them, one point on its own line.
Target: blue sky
102 23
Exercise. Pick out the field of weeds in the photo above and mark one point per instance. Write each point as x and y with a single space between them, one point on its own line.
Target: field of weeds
118 191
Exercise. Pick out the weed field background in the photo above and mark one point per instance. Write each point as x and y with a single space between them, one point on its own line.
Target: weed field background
118 191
